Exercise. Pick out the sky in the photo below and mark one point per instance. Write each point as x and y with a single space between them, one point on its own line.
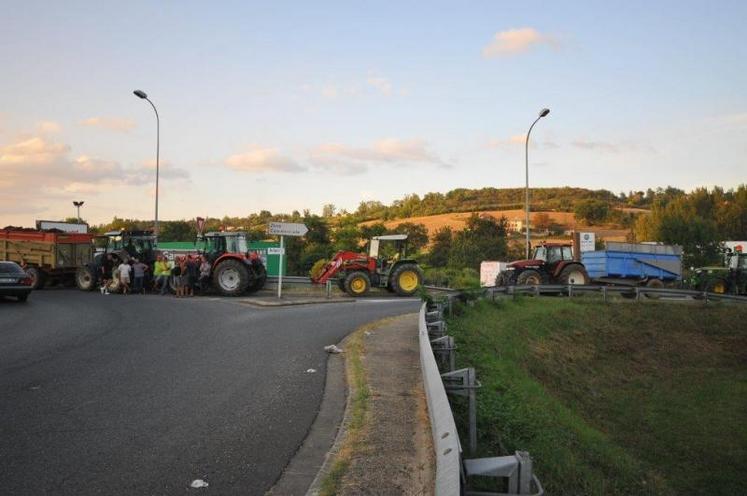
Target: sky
288 106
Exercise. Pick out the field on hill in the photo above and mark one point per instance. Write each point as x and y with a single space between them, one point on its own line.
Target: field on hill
457 222
612 399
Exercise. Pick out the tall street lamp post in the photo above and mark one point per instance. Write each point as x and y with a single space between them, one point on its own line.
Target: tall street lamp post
141 94
78 204
542 114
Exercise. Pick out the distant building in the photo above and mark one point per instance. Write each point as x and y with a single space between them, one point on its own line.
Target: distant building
516 225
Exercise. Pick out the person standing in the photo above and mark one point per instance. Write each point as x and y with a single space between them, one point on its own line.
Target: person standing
162 273
193 271
107 267
124 277
138 275
204 275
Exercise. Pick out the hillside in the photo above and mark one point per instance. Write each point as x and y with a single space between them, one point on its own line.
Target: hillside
457 221
613 399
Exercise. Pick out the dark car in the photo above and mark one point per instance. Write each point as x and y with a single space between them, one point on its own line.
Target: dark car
14 281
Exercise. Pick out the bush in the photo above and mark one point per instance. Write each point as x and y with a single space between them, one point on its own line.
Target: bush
316 269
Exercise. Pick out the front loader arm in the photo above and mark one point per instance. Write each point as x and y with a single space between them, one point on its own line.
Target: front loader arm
342 260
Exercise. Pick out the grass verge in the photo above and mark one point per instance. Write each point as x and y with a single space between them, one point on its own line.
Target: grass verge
613 399
358 413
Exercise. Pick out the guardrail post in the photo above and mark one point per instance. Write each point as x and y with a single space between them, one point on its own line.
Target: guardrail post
463 382
604 293
705 297
536 290
637 293
570 291
328 288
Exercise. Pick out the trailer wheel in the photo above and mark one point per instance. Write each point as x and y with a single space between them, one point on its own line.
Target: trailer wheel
231 278
37 276
574 275
656 284
529 277
406 279
357 283
85 279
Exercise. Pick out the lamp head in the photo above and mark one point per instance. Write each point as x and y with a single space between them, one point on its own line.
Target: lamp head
78 203
140 94
544 112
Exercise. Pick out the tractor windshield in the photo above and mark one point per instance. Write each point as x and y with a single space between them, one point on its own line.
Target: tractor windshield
236 244
540 253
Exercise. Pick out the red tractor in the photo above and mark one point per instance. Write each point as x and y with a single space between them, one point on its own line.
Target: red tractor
550 264
357 272
235 270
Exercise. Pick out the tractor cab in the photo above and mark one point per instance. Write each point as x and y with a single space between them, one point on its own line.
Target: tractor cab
552 254
387 250
127 244
216 244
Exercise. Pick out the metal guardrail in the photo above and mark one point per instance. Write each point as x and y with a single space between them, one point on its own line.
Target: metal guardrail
633 292
443 428
452 471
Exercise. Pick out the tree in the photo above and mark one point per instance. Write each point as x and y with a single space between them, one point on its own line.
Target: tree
484 238
592 211
177 230
441 247
371 230
417 234
328 210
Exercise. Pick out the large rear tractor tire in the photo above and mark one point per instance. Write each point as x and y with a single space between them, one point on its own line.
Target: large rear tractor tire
529 277
37 276
85 279
406 279
231 278
357 283
655 284
718 286
573 275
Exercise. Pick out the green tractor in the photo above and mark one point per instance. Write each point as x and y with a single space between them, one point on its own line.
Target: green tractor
728 279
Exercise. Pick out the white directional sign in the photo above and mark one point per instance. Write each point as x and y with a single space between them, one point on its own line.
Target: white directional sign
587 241
287 229
275 251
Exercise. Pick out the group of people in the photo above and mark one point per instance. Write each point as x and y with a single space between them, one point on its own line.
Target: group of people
188 274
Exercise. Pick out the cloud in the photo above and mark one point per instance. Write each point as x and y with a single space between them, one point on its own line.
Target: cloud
48 127
354 160
381 84
596 146
33 152
111 123
520 140
515 41
259 159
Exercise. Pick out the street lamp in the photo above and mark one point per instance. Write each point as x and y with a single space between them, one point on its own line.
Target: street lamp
542 114
141 94
78 204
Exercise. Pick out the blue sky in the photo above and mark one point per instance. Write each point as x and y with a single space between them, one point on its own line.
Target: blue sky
283 105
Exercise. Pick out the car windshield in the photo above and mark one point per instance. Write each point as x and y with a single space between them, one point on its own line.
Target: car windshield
10 268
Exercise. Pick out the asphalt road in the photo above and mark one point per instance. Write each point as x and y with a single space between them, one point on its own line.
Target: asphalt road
105 395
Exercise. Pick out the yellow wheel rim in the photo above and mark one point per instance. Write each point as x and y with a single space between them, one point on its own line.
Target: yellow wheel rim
358 285
719 287
408 280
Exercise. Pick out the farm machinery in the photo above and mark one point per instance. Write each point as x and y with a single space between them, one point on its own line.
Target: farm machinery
385 266
234 269
550 264
731 278
122 246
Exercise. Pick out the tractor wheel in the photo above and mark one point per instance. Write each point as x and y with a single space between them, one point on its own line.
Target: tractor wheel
718 286
529 277
357 283
574 275
656 284
37 276
85 279
231 278
406 279
260 276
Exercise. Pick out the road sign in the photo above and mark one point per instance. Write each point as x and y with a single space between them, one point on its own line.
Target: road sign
287 229
587 241
275 251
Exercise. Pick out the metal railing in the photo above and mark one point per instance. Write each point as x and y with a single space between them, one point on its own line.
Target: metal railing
635 292
452 470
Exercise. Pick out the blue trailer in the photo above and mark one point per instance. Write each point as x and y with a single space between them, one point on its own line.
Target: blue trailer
633 264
